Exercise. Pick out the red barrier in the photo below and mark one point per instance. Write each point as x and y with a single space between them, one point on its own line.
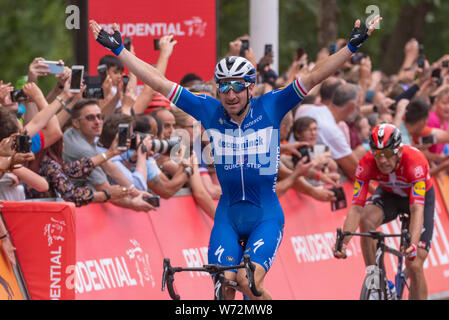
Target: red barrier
44 235
119 252
118 255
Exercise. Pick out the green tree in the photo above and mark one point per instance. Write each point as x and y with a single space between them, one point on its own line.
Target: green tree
30 29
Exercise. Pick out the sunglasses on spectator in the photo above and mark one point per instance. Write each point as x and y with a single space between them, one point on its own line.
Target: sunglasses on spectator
206 87
91 117
236 86
387 153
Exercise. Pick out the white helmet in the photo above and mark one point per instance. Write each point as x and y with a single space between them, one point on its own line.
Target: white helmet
235 67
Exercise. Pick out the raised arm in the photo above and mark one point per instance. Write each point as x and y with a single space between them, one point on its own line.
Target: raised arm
331 64
144 71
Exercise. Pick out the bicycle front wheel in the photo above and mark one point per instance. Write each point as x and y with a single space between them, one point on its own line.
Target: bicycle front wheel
374 286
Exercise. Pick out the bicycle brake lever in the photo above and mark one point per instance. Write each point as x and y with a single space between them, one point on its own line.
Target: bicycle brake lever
338 242
250 268
168 278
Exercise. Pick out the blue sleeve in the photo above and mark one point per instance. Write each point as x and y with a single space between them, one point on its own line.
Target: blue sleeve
201 107
37 143
278 102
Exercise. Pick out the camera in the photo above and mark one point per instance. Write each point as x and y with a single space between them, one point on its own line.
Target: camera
23 143
134 145
305 152
18 96
430 139
154 201
340 203
164 146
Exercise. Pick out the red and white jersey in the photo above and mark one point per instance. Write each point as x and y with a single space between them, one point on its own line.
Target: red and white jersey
410 179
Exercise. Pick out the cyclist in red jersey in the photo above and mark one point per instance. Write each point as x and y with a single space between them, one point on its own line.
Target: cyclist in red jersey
404 187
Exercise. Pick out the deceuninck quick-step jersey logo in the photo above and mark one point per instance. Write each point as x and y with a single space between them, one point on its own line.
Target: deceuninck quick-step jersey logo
236 143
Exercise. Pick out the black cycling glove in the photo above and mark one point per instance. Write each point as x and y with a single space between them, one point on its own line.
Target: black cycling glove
357 38
112 42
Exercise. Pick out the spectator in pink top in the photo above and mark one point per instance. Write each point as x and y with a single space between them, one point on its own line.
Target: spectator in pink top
439 117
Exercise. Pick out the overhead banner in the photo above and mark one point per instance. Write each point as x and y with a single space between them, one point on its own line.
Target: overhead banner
44 236
191 22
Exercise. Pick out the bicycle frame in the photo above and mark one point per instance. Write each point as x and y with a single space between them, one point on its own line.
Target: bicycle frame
220 282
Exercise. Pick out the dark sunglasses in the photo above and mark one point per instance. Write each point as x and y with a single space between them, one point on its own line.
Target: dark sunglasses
91 117
387 153
236 86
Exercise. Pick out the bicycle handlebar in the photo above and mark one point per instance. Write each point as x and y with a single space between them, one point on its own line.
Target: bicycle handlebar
405 237
168 275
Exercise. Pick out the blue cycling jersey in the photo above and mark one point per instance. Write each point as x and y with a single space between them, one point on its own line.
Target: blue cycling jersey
246 155
246 158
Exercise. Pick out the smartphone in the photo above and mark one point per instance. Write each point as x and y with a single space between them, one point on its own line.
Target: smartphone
356 59
340 202
421 61
332 49
127 43
23 143
268 49
93 93
123 136
244 47
77 78
153 200
18 96
393 106
125 82
430 139
156 44
54 66
102 72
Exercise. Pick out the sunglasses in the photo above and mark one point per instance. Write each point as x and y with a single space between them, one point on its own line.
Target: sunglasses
387 153
91 117
236 86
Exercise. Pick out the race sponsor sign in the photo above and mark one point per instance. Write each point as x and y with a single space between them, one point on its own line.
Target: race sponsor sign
192 23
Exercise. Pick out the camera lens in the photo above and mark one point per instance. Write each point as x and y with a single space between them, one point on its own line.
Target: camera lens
164 146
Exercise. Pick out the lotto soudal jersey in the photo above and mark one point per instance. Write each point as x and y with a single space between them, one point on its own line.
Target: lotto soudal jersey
246 155
410 179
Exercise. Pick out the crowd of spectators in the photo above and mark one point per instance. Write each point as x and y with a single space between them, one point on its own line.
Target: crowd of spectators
74 152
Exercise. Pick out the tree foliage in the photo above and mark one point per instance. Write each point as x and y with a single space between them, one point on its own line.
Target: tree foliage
298 26
30 29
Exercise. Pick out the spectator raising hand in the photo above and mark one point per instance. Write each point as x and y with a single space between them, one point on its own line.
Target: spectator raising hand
37 69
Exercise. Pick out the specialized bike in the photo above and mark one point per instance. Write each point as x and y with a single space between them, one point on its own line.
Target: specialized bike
376 281
220 282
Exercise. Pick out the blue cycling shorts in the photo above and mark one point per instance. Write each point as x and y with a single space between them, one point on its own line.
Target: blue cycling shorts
244 220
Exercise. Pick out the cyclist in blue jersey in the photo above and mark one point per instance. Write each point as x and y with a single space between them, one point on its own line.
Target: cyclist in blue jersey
244 134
